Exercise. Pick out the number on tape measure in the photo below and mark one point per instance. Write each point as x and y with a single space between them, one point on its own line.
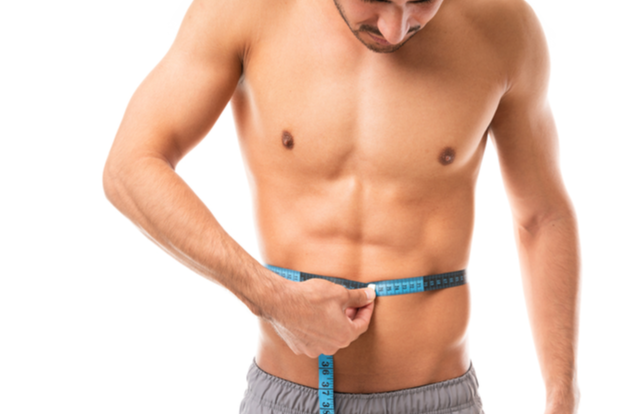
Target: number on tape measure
382 288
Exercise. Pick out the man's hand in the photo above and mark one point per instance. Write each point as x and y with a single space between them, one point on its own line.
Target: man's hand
320 317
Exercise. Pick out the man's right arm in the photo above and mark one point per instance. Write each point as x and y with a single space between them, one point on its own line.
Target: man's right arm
170 113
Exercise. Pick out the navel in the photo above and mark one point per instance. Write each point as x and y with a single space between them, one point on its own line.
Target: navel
287 139
447 156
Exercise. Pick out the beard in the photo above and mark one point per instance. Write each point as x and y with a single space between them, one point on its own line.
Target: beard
372 30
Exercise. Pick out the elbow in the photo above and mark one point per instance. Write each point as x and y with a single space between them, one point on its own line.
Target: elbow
544 211
124 177
560 218
111 183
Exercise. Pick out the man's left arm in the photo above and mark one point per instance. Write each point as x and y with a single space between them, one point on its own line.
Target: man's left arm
524 133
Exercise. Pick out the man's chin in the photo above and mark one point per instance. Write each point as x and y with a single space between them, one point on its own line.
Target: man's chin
375 46
383 49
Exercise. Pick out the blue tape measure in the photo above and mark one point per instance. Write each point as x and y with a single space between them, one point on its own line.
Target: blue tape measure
326 384
382 288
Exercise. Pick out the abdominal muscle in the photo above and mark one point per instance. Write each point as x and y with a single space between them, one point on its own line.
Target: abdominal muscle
413 339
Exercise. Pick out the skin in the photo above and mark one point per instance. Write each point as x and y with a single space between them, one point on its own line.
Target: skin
362 127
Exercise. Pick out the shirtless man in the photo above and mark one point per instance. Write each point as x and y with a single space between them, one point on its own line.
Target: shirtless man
362 124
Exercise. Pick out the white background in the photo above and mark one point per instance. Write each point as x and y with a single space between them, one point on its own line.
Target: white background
94 318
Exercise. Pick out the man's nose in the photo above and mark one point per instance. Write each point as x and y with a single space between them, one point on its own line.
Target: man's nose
393 25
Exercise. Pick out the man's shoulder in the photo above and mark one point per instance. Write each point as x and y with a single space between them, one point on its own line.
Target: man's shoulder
510 28
232 23
502 20
498 11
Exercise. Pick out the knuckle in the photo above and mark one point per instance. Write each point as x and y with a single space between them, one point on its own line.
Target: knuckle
341 344
361 329
312 354
330 350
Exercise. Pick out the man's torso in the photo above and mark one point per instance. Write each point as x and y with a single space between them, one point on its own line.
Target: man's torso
378 180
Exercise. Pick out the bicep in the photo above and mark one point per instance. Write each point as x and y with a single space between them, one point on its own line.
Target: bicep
524 132
180 100
529 163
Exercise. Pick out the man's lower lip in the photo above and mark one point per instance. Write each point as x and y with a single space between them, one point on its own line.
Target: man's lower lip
379 40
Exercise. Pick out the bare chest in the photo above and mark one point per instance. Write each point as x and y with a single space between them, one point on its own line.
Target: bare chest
315 100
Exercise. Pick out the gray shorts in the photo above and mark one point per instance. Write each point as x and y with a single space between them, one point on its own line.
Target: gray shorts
267 394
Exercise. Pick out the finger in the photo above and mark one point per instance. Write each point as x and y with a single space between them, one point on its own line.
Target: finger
362 318
360 297
351 313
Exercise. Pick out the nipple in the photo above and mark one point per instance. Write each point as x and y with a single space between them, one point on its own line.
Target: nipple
288 140
447 156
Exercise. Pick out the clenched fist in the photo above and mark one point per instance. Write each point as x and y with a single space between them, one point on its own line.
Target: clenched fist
320 317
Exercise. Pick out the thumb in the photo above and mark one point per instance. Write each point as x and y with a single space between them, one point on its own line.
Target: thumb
360 297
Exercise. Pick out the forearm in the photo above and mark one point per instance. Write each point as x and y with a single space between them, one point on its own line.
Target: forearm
549 256
149 192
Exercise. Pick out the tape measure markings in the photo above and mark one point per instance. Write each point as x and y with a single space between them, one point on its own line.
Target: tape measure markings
382 288
326 384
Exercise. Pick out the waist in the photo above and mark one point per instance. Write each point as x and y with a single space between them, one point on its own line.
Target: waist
412 340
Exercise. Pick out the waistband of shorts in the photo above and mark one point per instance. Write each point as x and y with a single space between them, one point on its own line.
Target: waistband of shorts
437 398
